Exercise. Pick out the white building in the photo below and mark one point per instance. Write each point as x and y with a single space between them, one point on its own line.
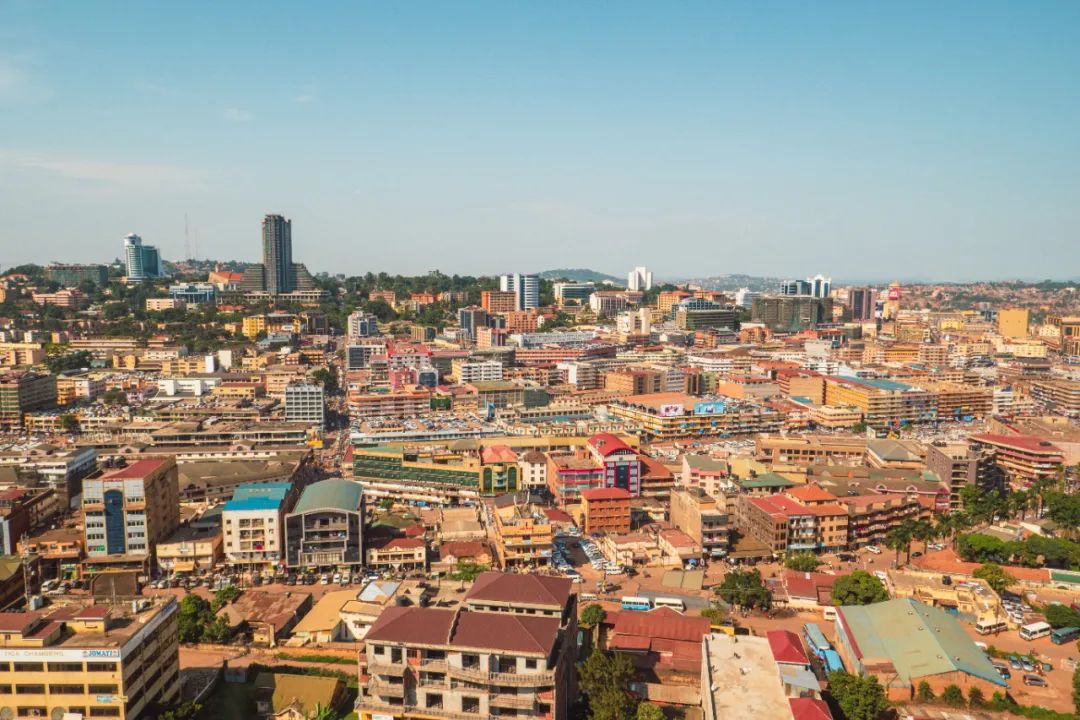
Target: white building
744 297
142 262
253 524
820 286
526 289
640 278
362 324
304 402
481 371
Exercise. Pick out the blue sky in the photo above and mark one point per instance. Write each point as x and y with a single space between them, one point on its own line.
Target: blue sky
863 140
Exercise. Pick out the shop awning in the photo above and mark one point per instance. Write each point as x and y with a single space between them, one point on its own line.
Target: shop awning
183 566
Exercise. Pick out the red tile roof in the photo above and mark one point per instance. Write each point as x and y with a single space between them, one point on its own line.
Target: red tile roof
606 494
1027 443
806 584
138 469
811 493
498 453
809 709
606 444
786 647
17 621
543 590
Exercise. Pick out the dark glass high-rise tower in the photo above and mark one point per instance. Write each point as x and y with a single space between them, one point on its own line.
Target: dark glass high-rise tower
277 254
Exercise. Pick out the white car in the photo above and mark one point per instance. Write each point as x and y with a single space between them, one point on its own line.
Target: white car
873 549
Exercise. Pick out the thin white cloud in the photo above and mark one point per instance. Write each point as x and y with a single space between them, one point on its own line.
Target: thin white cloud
306 96
237 115
107 175
17 86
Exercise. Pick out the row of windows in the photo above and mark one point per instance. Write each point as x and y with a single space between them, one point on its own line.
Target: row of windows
39 689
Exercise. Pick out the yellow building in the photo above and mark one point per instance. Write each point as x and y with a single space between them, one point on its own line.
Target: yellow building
253 325
1013 322
91 661
520 539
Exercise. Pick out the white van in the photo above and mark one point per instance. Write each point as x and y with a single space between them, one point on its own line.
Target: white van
588 597
991 627
873 549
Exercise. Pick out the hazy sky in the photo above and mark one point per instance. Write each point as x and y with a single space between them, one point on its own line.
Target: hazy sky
862 139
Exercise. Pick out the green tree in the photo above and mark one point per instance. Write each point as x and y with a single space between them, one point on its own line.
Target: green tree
327 377
858 588
745 588
1076 689
860 698
593 615
216 630
606 679
1064 510
648 711
322 712
187 711
714 615
224 596
115 396
897 539
976 699
977 547
924 693
924 531
191 618
1060 616
995 576
467 571
953 696
802 561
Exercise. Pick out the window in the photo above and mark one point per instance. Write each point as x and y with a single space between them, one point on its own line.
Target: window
29 667
66 689
100 667
65 667
104 712
379 650
530 663
470 704
5 689
395 655
102 690
433 700
470 661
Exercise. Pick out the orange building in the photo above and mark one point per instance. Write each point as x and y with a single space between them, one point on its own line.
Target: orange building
606 510
498 301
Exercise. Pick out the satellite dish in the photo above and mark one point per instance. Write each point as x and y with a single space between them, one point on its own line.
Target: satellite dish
6 713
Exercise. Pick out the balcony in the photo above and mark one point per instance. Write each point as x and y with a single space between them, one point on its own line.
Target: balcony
385 689
530 679
521 702
368 705
378 668
433 665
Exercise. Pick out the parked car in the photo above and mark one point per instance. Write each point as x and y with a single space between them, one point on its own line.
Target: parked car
1035 681
873 549
1014 662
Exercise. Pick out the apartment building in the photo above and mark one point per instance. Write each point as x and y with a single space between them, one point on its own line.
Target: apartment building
305 402
466 371
959 464
1058 395
883 403
635 381
669 416
508 651
711 475
253 524
702 517
785 523
606 510
127 512
1024 459
90 660
325 529
396 554
810 449
22 391
522 539
498 301
870 517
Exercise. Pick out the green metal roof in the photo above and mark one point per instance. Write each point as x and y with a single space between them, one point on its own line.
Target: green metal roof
919 640
769 479
337 494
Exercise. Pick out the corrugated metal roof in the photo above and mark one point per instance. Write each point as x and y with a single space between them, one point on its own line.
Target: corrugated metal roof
337 494
919 640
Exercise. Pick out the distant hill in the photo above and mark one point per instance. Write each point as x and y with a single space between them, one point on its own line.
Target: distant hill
581 275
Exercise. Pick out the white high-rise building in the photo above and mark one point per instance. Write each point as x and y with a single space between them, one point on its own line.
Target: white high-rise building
820 286
142 262
526 289
744 297
305 402
640 278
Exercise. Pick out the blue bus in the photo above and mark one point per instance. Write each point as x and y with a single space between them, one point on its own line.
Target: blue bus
630 602
1064 635
815 639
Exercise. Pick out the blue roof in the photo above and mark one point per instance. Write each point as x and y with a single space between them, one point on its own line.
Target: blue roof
882 384
259 496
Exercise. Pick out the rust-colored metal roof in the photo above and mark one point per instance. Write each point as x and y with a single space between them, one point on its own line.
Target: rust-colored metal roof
543 590
662 623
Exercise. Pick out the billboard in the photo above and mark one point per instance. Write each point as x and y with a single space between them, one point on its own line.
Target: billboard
713 407
671 410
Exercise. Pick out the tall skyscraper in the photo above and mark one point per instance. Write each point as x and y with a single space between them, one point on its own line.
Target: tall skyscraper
526 289
277 254
640 278
278 274
861 303
795 287
142 262
820 286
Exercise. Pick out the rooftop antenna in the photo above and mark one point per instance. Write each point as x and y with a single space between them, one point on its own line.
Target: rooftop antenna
187 239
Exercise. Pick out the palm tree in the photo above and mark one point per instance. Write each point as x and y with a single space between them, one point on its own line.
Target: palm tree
897 539
924 531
